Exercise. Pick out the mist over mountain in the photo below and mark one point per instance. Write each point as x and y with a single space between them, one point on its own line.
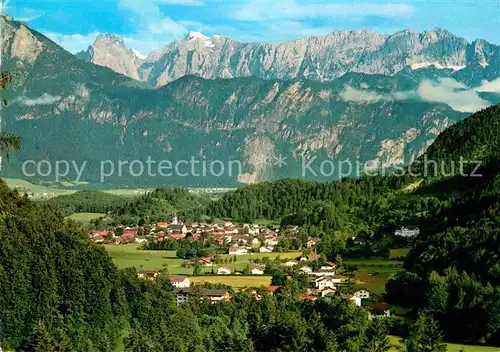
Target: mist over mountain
65 108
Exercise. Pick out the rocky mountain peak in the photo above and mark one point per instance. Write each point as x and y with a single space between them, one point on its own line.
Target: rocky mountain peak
108 39
196 36
110 50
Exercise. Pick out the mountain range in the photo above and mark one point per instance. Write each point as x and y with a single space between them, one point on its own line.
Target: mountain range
66 108
317 58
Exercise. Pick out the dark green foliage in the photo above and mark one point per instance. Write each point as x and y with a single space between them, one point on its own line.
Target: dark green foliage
86 202
376 337
453 272
160 205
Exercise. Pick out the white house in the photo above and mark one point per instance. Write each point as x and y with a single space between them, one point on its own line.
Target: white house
354 299
323 272
329 291
363 294
323 282
180 281
291 263
329 267
311 243
335 279
265 250
272 242
255 240
223 270
238 251
306 269
405 232
257 271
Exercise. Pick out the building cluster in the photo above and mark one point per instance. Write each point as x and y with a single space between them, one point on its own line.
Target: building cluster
183 289
406 232
324 285
240 239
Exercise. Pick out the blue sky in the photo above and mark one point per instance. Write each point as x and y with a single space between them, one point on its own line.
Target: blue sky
149 25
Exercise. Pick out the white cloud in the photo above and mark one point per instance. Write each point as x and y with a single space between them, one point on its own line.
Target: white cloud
73 42
292 10
44 99
167 26
153 28
487 86
445 90
363 95
452 93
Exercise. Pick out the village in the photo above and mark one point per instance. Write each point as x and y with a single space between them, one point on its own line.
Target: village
256 242
240 239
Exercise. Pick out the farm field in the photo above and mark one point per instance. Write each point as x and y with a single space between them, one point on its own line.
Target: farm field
373 262
399 253
130 255
36 191
373 274
85 217
396 344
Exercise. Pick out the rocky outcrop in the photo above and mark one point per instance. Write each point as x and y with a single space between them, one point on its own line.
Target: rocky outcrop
110 51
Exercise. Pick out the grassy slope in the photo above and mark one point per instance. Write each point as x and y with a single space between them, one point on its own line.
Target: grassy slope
130 255
85 217
236 282
396 344
372 274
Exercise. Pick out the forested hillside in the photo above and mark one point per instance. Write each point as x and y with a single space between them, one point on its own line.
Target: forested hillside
59 292
453 271
159 205
86 201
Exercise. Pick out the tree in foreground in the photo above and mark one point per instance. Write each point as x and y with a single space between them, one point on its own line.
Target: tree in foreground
425 336
376 337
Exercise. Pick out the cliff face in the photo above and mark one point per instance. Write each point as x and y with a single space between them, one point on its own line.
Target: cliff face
110 51
68 109
319 58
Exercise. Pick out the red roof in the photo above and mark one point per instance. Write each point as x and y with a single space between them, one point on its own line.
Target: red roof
205 260
177 236
162 224
177 278
272 288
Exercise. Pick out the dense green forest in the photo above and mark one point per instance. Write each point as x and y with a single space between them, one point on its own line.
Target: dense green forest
161 204
86 202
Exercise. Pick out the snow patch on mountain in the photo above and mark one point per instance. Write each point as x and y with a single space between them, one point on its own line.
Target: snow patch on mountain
436 64
139 54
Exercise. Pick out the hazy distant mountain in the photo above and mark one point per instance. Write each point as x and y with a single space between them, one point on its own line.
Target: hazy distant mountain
319 58
68 109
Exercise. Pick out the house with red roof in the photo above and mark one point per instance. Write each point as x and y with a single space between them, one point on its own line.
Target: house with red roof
180 281
205 261
162 225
